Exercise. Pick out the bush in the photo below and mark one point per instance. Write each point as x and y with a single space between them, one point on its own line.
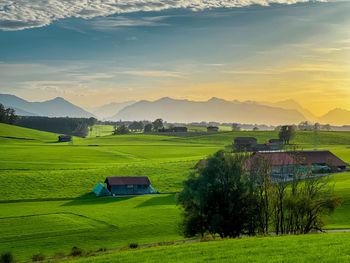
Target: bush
38 257
102 249
76 251
133 245
7 258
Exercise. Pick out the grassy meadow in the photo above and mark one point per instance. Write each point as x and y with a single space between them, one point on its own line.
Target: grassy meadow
46 203
334 247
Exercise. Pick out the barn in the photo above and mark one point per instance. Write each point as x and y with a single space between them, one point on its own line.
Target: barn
283 162
129 185
64 138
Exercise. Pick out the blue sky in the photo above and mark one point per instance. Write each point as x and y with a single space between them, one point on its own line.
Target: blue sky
93 56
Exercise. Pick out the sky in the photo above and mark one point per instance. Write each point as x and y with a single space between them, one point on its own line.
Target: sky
100 51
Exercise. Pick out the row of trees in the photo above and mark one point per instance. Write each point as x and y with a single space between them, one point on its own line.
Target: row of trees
7 115
138 126
70 126
224 198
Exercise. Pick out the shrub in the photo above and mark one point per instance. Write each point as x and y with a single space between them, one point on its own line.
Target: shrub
7 258
76 251
38 257
102 249
133 245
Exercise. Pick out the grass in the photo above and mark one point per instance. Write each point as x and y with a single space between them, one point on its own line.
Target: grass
333 247
37 167
90 223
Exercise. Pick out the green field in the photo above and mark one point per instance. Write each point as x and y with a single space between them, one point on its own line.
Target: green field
33 166
333 247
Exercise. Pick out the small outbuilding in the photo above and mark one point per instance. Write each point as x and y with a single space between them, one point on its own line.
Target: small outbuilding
64 138
212 129
129 185
101 190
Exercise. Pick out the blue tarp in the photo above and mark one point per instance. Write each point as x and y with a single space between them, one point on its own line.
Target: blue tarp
101 190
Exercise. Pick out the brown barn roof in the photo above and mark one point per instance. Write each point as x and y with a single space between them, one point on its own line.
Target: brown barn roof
302 157
127 180
318 157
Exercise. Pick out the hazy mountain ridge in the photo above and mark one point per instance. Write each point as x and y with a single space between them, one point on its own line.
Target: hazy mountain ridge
292 105
57 107
107 111
176 110
336 117
214 109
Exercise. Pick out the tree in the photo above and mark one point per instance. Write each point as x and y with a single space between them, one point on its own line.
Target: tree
136 126
148 127
235 127
286 133
305 126
7 258
7 115
122 129
255 128
157 124
215 198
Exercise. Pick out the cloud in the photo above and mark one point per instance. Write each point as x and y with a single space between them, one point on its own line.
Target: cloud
154 73
23 14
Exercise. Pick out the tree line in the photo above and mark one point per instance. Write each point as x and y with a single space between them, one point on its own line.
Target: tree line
64 125
7 115
139 126
227 199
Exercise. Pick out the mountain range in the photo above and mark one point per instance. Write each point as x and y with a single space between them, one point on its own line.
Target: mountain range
181 111
57 107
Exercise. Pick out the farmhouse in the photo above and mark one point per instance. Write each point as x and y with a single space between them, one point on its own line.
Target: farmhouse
64 138
283 163
129 185
212 129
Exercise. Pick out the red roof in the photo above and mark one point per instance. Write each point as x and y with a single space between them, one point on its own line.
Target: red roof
274 158
127 180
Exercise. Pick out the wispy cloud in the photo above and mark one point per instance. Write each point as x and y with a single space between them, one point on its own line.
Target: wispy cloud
23 14
154 73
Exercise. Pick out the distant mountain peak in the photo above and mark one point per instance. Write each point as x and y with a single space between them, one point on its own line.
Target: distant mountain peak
216 99
57 107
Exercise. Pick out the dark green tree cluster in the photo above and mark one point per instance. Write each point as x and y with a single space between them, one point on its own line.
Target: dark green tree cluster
136 126
120 130
157 124
154 126
224 198
286 133
7 115
70 126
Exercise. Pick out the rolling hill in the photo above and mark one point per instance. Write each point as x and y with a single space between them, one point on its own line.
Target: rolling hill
57 107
